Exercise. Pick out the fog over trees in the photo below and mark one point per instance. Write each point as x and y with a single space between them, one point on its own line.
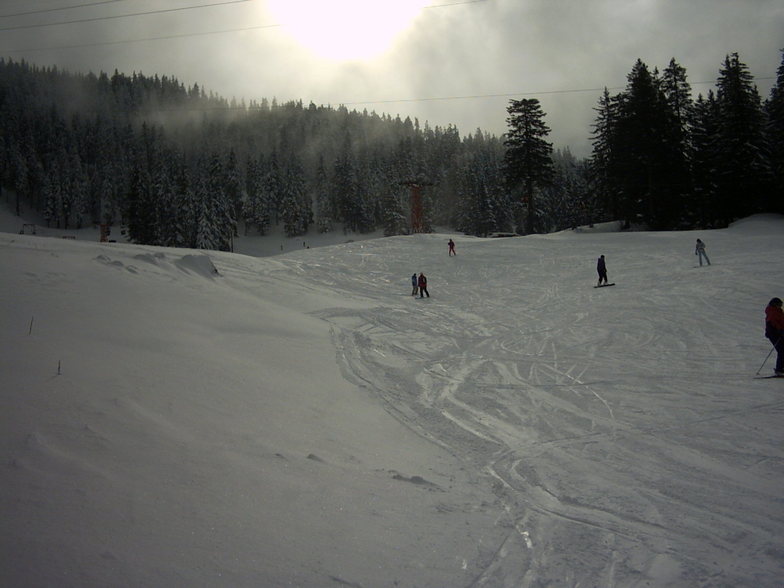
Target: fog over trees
182 167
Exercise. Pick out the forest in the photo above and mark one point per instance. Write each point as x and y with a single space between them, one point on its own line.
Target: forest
181 167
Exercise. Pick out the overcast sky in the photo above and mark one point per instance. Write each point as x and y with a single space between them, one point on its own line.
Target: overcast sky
445 62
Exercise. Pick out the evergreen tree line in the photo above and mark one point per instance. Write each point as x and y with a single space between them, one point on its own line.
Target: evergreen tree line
667 161
181 167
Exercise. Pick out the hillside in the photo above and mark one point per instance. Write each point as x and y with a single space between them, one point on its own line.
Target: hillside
181 417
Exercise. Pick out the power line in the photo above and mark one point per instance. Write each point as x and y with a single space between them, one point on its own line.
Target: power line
117 16
506 95
258 27
125 42
91 4
456 3
164 37
59 9
431 99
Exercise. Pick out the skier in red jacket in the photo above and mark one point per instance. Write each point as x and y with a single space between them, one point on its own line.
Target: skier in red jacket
423 286
774 331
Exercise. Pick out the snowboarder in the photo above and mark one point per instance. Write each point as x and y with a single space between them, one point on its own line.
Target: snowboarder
414 284
601 268
423 286
700 251
774 331
452 248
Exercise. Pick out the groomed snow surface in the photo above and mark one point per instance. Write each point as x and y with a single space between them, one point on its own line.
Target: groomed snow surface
190 418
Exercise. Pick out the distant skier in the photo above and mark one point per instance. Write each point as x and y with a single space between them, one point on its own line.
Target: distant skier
700 251
774 331
423 286
451 248
601 269
414 284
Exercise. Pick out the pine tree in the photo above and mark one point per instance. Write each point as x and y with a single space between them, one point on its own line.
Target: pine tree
142 213
256 208
704 125
529 164
394 218
603 176
744 173
774 107
677 146
346 192
564 205
324 204
233 189
183 223
484 205
222 210
273 188
293 211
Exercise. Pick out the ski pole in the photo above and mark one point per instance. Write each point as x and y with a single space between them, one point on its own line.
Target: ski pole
772 349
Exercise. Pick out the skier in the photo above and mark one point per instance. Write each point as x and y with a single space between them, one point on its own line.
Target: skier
414 284
452 248
423 286
700 251
774 331
601 268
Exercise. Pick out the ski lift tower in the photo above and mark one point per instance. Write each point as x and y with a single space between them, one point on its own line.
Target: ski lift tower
417 207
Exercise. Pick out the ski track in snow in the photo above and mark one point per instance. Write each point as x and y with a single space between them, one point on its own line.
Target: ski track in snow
557 402
619 428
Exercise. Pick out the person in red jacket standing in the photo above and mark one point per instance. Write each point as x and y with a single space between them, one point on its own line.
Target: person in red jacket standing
423 286
774 331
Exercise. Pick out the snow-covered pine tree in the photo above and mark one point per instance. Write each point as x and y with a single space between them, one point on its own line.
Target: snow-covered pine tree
394 219
325 209
222 209
704 132
293 211
142 212
235 195
744 175
256 209
528 160
182 229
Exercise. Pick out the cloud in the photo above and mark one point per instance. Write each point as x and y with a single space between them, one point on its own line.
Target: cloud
458 63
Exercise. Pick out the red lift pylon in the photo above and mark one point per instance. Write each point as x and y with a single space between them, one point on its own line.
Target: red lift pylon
418 224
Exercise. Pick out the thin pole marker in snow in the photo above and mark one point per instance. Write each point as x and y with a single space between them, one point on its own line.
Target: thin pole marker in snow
30 332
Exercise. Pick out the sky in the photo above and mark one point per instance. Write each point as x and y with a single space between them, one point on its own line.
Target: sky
175 417
455 62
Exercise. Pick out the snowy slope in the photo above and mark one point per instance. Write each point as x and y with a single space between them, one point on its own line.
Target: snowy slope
302 420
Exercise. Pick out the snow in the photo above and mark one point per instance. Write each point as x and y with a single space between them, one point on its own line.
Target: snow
189 418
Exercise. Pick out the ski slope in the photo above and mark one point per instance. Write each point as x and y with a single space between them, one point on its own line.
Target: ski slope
176 417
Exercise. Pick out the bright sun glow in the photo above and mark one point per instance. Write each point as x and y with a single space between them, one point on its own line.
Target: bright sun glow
345 29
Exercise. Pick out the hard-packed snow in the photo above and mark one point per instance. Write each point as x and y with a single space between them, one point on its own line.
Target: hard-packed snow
191 418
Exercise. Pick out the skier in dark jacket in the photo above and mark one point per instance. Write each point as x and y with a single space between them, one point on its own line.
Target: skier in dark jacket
774 331
699 250
423 286
414 284
451 245
601 268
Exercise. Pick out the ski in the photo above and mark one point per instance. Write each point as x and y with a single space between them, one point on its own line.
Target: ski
604 285
766 377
